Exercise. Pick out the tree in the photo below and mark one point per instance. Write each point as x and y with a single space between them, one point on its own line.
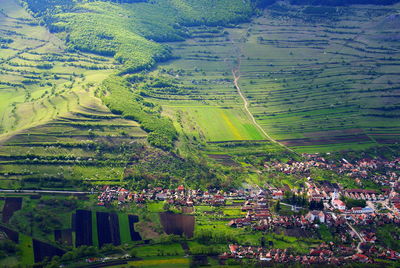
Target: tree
278 206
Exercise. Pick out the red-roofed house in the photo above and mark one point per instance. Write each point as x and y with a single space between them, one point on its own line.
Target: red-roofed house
181 188
277 195
338 204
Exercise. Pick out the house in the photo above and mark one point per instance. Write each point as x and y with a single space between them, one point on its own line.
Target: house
315 214
360 258
239 222
367 210
356 210
338 204
161 196
180 188
266 257
397 207
233 248
277 195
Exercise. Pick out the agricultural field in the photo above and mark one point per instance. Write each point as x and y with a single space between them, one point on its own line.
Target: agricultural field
39 79
293 64
101 101
46 225
54 132
324 78
208 105
90 146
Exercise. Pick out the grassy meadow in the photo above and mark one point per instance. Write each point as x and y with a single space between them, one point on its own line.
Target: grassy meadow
39 79
319 82
314 83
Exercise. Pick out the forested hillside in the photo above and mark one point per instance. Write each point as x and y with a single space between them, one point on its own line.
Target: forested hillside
129 30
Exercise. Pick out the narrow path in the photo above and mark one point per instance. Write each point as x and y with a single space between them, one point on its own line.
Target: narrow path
236 76
362 240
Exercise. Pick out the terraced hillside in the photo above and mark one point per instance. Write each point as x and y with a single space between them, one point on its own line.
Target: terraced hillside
88 146
324 78
54 132
39 79
316 78
208 105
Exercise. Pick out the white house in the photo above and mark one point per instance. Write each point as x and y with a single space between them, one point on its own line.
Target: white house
338 204
315 214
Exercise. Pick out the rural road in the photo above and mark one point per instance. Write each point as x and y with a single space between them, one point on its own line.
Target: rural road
236 76
362 240
42 192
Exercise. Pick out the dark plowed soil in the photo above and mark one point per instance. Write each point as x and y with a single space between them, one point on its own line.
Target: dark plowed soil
12 235
42 250
63 236
135 236
12 204
83 228
177 224
108 228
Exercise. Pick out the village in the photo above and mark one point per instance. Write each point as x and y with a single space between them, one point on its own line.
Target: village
314 204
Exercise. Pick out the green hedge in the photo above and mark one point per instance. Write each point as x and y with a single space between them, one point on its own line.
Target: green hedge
117 95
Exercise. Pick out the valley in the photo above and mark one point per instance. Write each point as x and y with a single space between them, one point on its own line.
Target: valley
188 133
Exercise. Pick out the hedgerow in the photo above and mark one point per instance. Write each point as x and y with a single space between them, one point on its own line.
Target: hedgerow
130 30
116 94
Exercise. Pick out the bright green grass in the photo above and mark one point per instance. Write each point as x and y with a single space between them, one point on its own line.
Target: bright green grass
224 124
124 229
203 208
57 91
161 262
233 212
25 244
94 230
159 250
155 207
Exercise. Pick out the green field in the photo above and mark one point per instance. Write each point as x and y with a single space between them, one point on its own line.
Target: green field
219 124
39 79
326 86
200 93
322 88
26 248
124 228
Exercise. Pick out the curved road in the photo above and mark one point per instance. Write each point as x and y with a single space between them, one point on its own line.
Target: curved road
362 240
236 77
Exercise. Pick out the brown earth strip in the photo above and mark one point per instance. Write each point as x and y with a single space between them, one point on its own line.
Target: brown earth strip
223 159
340 132
326 140
12 204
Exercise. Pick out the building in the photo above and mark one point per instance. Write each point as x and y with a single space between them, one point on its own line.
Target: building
315 214
277 195
338 204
